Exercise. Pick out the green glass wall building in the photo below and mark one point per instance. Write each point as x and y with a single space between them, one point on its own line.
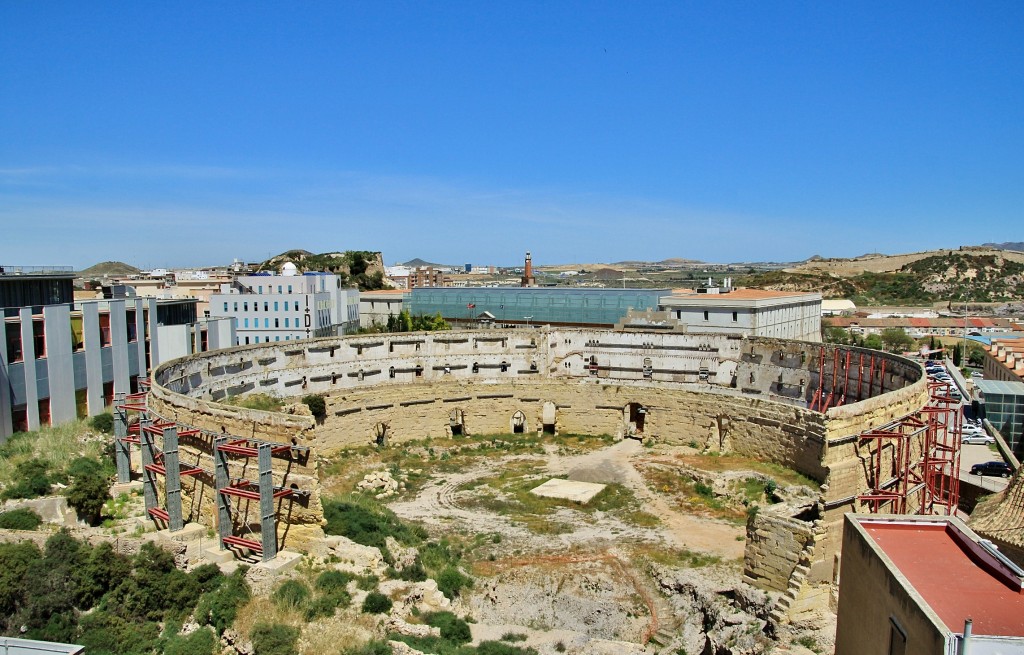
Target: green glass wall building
541 305
1004 408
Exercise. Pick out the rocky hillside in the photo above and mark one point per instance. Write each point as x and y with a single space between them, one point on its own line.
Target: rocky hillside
362 268
983 275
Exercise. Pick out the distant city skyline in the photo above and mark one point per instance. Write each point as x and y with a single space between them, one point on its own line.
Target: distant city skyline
466 132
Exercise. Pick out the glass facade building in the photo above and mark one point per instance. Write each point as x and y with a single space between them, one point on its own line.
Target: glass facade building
540 305
1004 408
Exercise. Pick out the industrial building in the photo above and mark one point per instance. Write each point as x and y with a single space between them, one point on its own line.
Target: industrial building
563 306
1003 405
375 307
923 585
60 360
288 306
746 312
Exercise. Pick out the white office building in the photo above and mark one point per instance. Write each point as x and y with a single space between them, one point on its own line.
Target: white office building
288 306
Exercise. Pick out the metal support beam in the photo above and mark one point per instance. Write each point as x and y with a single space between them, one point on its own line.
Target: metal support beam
148 476
122 449
268 522
172 482
221 480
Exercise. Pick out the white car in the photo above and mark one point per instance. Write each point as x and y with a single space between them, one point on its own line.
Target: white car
977 439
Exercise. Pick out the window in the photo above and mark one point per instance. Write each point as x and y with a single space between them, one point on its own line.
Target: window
14 352
275 305
225 306
897 638
289 288
266 306
245 306
104 331
260 288
236 306
246 322
247 341
279 291
287 321
735 316
285 305
277 338
706 314
277 322
266 322
287 337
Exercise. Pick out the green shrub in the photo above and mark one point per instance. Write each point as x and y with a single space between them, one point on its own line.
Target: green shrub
20 519
453 628
103 633
451 581
219 608
317 405
498 648
703 490
103 423
326 604
33 480
83 466
414 572
376 603
292 593
367 582
330 582
275 639
200 642
370 648
87 496
513 636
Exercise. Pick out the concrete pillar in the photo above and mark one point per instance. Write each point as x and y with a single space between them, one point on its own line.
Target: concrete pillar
140 335
119 346
6 424
154 341
93 358
268 517
60 369
172 479
28 349
122 449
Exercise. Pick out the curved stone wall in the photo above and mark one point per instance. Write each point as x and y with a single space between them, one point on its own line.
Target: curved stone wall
733 394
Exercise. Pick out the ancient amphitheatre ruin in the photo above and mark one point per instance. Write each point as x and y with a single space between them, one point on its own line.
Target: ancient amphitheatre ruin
800 407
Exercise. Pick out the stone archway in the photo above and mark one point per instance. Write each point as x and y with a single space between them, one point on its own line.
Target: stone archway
518 422
457 423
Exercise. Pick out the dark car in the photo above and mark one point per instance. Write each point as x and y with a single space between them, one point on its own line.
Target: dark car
1001 469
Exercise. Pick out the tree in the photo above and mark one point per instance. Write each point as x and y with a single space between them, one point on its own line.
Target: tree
87 495
896 340
957 354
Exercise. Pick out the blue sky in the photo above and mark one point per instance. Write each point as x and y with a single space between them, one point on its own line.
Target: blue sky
192 134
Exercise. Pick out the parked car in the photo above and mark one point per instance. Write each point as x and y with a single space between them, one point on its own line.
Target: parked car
1001 469
977 439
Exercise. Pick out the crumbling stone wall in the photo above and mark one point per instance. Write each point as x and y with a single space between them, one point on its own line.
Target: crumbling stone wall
733 394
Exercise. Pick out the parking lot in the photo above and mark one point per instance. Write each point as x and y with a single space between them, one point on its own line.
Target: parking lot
971 455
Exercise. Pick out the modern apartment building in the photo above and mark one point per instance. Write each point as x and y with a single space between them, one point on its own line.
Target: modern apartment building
288 306
59 361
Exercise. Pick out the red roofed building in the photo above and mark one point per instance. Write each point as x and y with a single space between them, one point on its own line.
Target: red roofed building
923 585
1004 360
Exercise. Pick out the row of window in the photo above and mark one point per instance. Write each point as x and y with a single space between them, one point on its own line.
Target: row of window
16 351
239 341
266 322
256 306
270 289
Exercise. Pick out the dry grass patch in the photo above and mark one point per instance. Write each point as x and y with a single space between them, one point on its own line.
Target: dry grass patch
714 462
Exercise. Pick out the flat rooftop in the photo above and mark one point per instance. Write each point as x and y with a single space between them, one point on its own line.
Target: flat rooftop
741 294
950 572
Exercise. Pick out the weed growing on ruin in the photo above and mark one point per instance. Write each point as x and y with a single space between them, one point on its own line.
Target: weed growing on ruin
263 402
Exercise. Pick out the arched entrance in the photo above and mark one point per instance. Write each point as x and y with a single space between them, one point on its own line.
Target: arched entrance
457 422
635 416
518 422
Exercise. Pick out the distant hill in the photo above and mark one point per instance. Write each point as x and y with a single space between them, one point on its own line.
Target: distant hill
362 268
1009 245
108 269
983 275
416 263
